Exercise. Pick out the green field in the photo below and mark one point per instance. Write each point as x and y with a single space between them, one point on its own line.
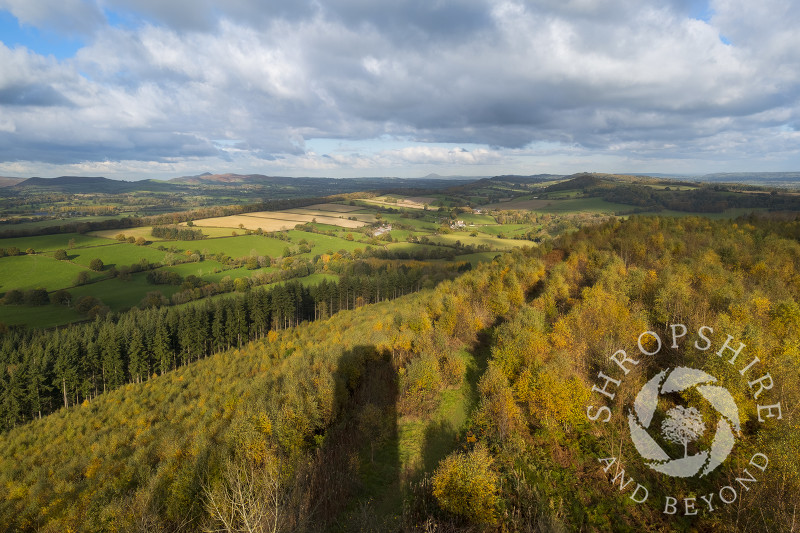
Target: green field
584 205
494 242
203 268
321 244
38 316
53 223
240 246
480 257
118 294
235 273
508 229
50 243
116 254
472 218
33 271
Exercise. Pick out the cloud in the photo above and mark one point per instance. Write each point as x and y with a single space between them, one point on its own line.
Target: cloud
645 80
69 17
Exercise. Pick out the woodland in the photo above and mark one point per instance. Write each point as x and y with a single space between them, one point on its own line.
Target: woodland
438 392
459 407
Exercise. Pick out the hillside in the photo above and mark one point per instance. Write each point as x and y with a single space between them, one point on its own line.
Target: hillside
460 407
8 182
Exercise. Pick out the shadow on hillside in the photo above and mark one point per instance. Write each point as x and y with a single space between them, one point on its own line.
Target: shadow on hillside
357 469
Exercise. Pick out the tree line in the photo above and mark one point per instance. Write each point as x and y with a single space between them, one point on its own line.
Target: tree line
40 371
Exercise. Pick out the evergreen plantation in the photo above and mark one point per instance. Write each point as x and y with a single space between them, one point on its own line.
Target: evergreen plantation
460 407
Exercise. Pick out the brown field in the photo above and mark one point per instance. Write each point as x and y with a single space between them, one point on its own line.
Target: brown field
336 208
252 223
288 219
414 202
300 218
128 232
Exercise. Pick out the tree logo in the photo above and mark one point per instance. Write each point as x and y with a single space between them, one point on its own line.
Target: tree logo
683 425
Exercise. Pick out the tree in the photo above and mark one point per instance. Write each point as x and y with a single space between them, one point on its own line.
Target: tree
13 297
96 264
141 241
82 278
60 254
465 484
62 297
37 296
683 426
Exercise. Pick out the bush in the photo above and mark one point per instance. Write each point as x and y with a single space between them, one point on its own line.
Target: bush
153 299
37 296
96 264
465 484
86 303
61 255
420 384
82 278
13 297
61 297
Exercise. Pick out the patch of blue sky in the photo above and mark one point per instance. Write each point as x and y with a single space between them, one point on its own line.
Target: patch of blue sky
43 42
701 10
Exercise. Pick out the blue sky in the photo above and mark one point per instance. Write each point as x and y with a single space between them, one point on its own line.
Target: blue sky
145 88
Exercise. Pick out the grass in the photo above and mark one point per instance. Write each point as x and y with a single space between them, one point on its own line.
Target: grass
38 316
236 273
203 268
508 229
240 246
54 223
416 223
574 205
118 294
495 243
472 218
480 257
144 231
321 244
51 243
423 442
116 254
33 271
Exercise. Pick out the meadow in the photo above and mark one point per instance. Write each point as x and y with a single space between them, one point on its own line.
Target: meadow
33 271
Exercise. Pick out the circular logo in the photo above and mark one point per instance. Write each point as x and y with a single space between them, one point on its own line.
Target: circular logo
683 425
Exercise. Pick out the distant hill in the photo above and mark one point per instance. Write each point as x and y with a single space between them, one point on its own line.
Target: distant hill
8 182
536 178
784 179
580 181
93 184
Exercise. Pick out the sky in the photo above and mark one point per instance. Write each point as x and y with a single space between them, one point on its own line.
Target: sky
134 89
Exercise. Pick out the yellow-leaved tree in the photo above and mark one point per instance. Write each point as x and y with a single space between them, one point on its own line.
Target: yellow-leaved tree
466 485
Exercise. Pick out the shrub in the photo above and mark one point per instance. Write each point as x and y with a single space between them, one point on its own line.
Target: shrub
465 484
37 296
13 297
420 384
86 303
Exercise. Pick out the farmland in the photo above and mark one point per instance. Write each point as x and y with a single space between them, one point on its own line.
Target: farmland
344 216
388 337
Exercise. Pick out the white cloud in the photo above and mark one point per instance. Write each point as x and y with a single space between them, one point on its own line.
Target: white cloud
641 80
